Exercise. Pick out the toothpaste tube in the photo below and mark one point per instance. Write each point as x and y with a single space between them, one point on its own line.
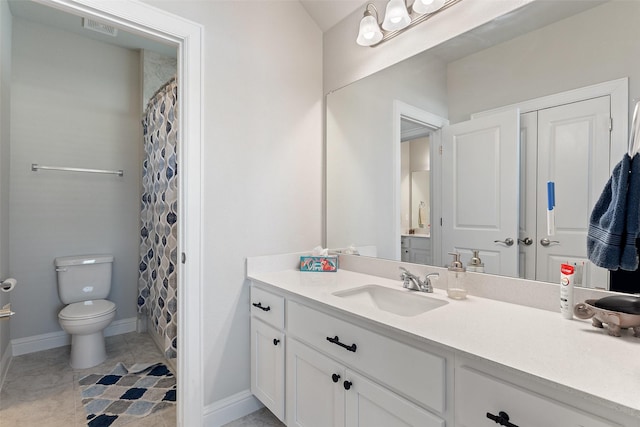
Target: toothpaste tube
567 275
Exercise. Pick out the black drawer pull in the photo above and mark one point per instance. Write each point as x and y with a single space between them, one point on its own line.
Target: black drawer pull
335 378
276 341
347 385
502 418
259 305
336 341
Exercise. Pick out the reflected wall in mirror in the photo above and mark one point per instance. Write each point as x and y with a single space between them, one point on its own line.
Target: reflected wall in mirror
540 50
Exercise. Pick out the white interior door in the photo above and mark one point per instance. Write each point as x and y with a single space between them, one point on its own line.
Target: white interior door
480 185
573 151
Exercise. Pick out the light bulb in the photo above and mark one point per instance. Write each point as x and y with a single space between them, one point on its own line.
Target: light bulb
427 6
369 33
396 16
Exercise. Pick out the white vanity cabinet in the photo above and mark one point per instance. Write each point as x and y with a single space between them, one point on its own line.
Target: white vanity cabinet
324 393
416 250
483 399
340 374
268 350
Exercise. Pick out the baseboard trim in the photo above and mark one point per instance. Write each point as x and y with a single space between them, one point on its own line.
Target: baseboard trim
51 340
233 407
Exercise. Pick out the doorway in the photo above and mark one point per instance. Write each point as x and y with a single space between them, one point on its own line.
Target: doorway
149 22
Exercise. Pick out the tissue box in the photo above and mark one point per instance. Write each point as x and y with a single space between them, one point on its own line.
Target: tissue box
319 263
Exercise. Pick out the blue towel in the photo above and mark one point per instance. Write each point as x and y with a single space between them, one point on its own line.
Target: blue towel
629 258
606 232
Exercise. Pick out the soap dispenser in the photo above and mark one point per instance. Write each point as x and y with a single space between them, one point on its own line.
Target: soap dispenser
475 263
456 288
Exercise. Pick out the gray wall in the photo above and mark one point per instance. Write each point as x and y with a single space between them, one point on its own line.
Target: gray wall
597 45
5 86
75 102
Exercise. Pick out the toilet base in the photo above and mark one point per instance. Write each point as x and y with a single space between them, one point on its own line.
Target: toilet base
87 350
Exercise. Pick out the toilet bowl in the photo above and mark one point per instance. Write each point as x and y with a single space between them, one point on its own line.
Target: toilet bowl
84 282
85 322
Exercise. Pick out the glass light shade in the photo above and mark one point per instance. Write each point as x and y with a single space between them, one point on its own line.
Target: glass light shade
427 6
369 33
396 17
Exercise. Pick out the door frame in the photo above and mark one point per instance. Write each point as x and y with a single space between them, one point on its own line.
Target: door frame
151 22
435 123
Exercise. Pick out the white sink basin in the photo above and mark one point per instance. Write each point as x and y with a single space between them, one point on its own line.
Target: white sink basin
396 301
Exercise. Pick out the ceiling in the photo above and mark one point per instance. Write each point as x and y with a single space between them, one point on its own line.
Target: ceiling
45 15
328 13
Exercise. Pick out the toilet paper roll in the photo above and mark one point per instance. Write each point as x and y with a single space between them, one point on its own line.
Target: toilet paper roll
8 284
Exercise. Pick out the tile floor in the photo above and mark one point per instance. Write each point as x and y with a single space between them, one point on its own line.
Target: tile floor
41 389
260 418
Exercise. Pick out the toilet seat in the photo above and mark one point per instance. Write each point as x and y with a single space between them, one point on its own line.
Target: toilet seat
87 310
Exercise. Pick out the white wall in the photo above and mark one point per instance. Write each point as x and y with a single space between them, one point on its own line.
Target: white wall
75 102
5 89
262 161
597 45
360 150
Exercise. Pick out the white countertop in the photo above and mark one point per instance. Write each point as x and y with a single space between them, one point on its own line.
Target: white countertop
538 343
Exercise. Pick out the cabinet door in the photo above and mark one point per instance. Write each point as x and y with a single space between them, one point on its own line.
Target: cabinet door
315 390
478 394
368 404
267 366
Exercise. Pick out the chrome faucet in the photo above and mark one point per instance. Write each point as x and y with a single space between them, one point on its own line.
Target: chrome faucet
413 282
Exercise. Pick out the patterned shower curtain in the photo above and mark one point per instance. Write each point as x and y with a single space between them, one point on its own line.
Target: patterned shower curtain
157 282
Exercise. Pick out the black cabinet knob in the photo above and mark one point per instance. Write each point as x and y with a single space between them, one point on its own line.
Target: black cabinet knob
335 378
347 385
276 341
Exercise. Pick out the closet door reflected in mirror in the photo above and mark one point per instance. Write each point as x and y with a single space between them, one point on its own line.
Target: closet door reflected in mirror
573 143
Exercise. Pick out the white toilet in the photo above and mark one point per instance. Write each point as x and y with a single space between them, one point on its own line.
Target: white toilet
84 281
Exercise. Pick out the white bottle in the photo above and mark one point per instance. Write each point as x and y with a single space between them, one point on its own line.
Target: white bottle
456 287
567 275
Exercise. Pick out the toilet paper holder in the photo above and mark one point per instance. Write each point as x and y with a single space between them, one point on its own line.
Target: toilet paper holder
7 285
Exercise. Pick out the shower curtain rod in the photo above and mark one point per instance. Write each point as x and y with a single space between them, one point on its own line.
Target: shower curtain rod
35 167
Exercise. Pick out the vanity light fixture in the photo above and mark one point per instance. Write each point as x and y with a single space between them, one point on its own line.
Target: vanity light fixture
397 19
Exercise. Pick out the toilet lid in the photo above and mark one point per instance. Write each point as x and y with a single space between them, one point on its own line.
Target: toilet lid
87 309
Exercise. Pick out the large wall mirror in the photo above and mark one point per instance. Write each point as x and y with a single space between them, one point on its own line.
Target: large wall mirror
557 82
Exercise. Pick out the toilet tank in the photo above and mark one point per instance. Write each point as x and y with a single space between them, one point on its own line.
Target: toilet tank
83 277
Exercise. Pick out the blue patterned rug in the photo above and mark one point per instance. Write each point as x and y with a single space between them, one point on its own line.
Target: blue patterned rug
125 394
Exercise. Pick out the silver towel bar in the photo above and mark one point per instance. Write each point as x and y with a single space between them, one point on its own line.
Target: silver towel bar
35 167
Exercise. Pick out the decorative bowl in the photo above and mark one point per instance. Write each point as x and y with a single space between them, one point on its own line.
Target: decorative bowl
614 320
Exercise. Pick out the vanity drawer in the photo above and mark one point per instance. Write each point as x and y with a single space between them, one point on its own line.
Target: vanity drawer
415 373
477 394
267 307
